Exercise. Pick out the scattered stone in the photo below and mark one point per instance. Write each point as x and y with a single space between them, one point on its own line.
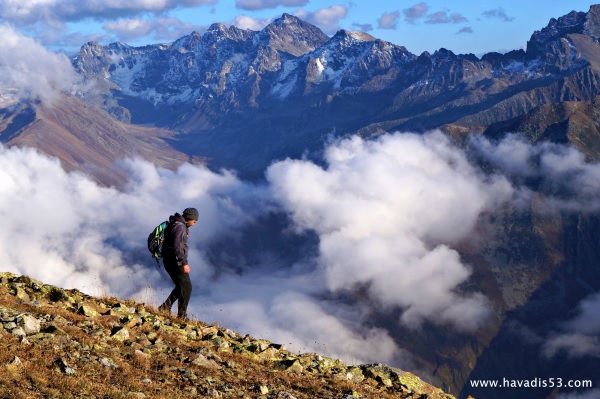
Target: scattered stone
36 303
354 374
147 335
88 311
64 367
296 367
140 355
135 321
152 337
22 294
119 333
201 360
19 332
30 324
108 363
16 362
11 325
57 295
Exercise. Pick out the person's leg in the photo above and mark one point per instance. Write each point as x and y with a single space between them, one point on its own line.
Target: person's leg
175 293
168 303
185 292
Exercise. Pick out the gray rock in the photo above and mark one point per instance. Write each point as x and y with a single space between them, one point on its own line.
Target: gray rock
120 333
108 363
30 324
64 367
22 294
203 361
16 362
19 332
87 310
11 325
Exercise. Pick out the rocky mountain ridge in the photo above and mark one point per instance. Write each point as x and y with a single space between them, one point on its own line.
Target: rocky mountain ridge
64 343
291 85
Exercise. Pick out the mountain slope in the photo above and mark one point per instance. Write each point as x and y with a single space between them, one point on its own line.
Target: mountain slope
85 138
63 343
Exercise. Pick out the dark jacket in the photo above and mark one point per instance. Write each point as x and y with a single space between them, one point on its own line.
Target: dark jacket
175 247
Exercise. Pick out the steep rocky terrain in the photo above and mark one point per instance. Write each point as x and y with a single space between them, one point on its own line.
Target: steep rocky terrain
229 91
64 343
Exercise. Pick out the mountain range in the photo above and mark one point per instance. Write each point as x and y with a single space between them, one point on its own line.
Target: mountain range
220 96
241 99
227 92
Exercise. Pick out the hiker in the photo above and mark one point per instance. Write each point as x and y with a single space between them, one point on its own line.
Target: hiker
175 260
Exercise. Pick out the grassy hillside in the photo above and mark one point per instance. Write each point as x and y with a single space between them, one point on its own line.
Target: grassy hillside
60 343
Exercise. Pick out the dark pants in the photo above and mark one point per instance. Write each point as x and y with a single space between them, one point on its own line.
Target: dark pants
181 293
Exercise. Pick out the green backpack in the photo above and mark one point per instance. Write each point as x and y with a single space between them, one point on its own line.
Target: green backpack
156 240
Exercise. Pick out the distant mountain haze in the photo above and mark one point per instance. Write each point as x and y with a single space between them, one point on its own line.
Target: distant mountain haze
436 211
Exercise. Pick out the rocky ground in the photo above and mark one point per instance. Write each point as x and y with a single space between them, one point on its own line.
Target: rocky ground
60 343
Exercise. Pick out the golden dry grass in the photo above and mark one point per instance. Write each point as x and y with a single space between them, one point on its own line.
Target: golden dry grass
78 359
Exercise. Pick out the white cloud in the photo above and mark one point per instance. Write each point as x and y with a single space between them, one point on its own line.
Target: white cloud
31 69
442 17
574 344
57 12
417 11
388 215
498 13
387 212
159 28
66 230
246 22
328 19
389 20
587 394
263 4
581 335
564 178
588 320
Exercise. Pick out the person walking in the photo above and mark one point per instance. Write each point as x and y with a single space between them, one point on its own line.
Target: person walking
175 260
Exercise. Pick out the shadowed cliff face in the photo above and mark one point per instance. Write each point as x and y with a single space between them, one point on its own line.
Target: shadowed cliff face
532 341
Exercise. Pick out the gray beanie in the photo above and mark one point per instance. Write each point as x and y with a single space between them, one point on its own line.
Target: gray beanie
190 213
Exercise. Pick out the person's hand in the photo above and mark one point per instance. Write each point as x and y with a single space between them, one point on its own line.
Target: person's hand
186 269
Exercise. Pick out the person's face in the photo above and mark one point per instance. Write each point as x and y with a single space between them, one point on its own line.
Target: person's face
190 223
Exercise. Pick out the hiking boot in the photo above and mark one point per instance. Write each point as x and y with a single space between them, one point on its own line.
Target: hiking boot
183 318
164 308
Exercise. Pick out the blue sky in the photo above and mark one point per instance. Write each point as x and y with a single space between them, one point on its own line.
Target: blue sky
461 26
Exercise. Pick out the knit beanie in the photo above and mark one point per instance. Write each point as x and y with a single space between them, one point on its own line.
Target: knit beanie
191 214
